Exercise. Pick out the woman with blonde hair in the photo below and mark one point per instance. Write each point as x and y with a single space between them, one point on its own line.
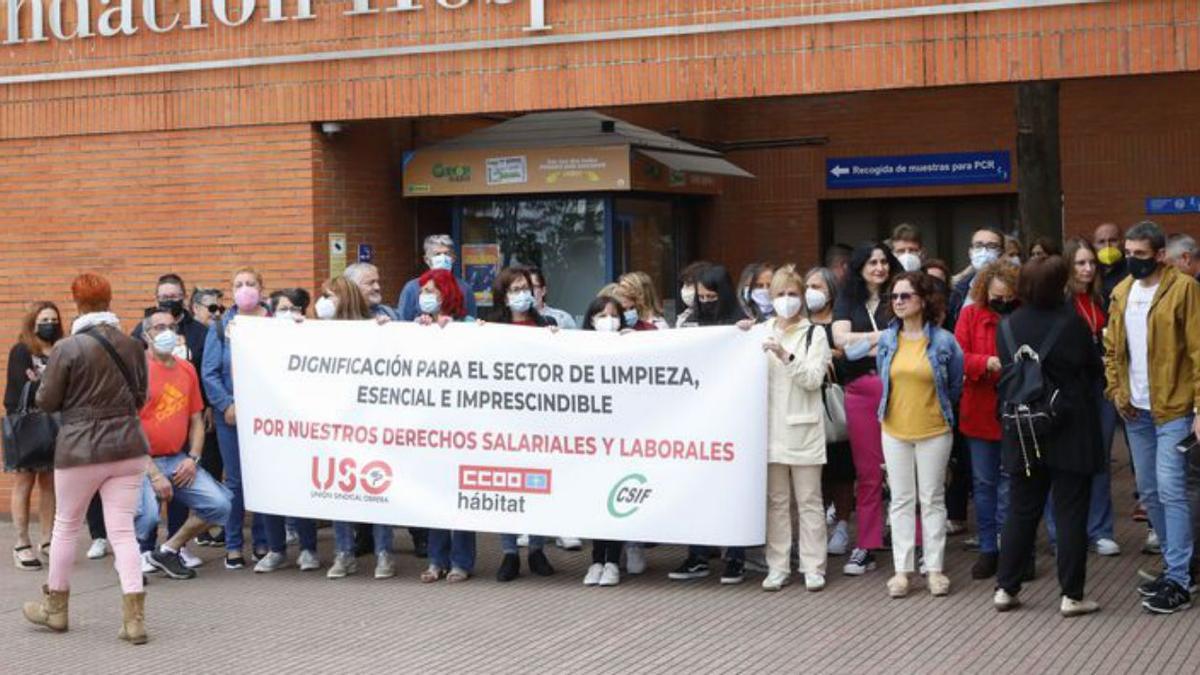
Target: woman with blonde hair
642 308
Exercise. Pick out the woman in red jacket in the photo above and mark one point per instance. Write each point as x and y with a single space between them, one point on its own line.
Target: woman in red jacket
993 295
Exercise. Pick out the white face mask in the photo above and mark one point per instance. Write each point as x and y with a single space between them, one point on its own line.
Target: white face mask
982 257
786 306
441 261
688 295
429 303
604 323
911 262
285 314
521 301
326 308
816 300
762 298
164 343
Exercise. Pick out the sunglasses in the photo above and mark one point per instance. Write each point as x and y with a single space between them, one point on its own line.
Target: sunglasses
215 309
903 297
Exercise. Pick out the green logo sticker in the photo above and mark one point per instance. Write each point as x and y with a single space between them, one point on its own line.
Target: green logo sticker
628 495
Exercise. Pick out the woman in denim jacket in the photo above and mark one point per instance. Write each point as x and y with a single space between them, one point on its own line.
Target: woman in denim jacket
921 366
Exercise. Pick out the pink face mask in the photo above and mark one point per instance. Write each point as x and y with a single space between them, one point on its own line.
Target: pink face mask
246 298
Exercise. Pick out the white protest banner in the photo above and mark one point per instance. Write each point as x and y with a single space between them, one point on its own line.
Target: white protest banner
650 436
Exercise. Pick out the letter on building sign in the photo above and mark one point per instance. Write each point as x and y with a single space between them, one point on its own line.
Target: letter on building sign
275 11
83 20
150 16
37 25
221 11
124 23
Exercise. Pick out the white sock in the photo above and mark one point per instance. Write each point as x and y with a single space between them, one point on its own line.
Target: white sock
167 549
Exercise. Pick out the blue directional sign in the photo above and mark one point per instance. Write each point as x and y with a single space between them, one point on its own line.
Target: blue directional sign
950 168
1169 206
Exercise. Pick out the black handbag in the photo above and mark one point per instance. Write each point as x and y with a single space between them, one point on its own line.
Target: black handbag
29 435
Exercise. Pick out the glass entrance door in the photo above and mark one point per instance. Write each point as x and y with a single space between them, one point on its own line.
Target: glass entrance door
565 237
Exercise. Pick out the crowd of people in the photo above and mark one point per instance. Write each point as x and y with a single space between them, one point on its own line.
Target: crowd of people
899 391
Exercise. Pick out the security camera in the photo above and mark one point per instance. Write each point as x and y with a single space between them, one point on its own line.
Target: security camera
332 129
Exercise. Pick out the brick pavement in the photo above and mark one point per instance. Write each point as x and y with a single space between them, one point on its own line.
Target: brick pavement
241 622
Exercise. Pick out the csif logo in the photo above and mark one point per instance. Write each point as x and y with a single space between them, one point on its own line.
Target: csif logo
628 495
373 478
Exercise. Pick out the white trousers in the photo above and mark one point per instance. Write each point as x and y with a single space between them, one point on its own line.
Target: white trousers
804 483
917 471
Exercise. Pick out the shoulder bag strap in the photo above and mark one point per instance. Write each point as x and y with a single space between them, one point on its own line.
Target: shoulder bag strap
1052 337
1006 333
116 358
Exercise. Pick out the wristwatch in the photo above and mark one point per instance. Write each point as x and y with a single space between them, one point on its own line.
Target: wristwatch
195 459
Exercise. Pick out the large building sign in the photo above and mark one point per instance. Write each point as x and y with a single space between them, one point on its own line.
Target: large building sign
28 21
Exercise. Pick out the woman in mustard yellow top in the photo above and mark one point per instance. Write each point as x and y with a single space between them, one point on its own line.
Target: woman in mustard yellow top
921 366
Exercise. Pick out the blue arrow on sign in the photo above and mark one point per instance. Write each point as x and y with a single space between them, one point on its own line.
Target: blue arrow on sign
949 168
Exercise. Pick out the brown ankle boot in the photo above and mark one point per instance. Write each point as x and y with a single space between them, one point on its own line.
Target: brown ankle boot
133 620
51 612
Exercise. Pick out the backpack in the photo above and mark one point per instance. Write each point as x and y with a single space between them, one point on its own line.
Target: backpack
1031 406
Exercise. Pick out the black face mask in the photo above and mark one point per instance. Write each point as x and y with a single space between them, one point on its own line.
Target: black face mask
175 307
48 332
707 310
1002 307
1141 268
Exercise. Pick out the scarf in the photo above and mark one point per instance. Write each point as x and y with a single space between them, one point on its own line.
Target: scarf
93 319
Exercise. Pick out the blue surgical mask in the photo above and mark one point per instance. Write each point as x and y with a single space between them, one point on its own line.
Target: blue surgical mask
429 303
164 342
441 261
521 301
631 317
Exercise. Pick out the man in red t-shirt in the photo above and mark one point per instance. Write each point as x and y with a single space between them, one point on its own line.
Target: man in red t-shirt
172 419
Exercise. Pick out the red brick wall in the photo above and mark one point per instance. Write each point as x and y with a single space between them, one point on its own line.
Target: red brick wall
1120 37
134 206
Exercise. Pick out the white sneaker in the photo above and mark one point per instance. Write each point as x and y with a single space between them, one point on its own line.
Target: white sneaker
1152 545
190 561
384 567
611 575
569 544
776 580
523 540
1070 608
635 558
1107 547
839 541
814 582
593 575
98 549
308 561
147 568
1003 602
344 564
270 562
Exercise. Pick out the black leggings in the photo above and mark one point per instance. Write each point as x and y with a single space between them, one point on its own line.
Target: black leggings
606 551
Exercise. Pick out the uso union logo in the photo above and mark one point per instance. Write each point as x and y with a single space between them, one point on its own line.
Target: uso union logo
333 477
628 495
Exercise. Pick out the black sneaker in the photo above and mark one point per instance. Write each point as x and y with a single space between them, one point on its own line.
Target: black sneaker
735 572
234 562
692 568
171 565
1171 598
985 566
539 564
861 561
218 539
510 567
205 539
1152 588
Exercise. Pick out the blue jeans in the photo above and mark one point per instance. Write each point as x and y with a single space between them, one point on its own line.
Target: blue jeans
145 523
452 550
276 527
231 457
343 537
1162 485
508 543
205 496
991 491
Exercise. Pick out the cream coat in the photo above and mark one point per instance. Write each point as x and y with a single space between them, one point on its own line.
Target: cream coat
795 426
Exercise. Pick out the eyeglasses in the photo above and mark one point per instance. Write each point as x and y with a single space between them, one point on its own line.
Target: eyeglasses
903 297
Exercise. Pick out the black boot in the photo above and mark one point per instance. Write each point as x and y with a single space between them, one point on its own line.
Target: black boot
539 565
985 566
510 567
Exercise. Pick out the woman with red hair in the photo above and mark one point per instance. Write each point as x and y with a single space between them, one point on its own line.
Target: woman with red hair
451 552
97 379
